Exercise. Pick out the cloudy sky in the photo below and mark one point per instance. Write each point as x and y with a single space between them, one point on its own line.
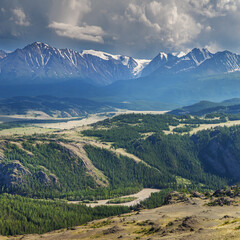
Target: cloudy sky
140 28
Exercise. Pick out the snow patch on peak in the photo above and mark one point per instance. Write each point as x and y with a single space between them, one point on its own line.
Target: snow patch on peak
141 64
163 55
179 54
107 56
124 60
99 54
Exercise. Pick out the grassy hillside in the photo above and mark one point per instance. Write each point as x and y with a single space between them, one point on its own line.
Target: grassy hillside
195 158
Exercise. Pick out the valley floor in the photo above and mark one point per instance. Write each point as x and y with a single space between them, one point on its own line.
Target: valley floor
140 196
188 220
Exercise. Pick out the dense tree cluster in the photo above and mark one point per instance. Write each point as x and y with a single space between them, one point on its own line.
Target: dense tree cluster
20 215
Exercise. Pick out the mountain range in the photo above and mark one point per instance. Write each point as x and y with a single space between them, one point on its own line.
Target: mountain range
168 78
38 62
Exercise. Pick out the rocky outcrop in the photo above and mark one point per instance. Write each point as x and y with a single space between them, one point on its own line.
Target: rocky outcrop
45 178
13 173
175 197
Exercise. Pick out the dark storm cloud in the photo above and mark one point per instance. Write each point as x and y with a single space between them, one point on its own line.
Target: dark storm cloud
133 27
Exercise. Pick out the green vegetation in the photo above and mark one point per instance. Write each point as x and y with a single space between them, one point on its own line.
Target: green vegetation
124 172
155 200
10 125
174 154
50 170
38 166
121 200
45 169
101 224
20 215
185 128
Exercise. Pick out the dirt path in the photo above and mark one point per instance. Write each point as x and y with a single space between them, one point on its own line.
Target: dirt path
140 196
79 151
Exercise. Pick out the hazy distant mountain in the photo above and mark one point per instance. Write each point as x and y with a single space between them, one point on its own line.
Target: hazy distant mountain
197 61
204 107
39 62
169 63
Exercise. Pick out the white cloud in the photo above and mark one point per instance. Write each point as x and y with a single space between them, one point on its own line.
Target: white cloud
208 28
228 5
169 24
86 33
133 27
19 17
138 14
81 5
69 11
67 21
213 47
211 9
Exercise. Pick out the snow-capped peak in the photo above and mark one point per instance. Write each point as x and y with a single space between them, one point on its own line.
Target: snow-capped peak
38 44
198 55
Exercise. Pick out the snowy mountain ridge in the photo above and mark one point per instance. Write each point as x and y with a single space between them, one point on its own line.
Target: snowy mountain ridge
39 62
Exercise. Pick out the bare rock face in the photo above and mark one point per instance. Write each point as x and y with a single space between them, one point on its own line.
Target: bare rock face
197 194
13 173
45 178
222 201
189 224
111 230
175 197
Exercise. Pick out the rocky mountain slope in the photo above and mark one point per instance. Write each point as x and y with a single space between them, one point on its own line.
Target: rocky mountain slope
197 61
